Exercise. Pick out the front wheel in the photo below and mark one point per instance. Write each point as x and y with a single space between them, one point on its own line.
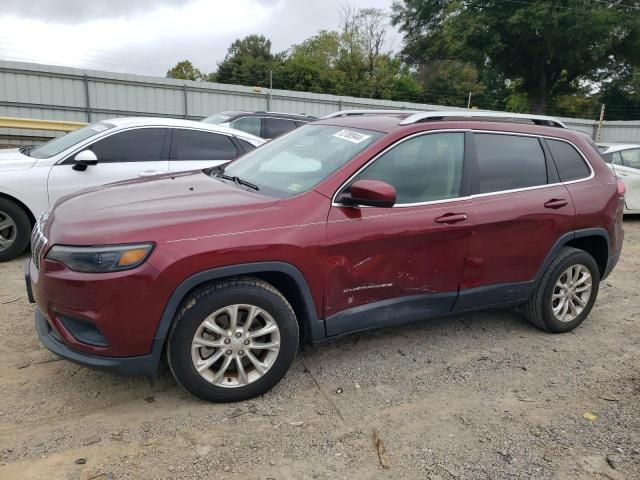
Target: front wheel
566 293
15 230
232 340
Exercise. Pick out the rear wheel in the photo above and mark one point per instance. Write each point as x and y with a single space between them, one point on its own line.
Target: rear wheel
232 340
566 293
15 230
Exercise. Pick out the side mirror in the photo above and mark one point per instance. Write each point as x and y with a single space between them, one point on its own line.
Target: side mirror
83 159
371 193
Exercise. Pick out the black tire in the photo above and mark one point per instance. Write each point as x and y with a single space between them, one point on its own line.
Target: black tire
538 309
22 229
210 298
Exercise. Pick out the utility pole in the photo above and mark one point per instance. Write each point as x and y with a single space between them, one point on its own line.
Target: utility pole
469 102
600 124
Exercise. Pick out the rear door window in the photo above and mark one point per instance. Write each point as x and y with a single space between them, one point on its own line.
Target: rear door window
631 158
199 145
139 145
274 127
508 162
570 164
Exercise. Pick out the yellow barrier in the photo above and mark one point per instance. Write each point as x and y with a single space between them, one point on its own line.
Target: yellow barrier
34 124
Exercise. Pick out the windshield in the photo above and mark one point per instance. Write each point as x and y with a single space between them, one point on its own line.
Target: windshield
218 118
602 148
60 144
300 160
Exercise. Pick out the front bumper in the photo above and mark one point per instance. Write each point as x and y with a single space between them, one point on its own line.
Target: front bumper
54 295
145 365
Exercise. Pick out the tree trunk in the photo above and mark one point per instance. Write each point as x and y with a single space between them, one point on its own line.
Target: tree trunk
538 98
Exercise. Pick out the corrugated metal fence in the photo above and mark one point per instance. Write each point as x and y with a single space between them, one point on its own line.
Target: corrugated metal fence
60 93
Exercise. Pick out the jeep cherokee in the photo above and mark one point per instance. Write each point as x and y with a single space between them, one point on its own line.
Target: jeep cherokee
360 220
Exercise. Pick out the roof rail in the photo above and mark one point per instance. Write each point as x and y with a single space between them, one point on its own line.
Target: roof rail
276 113
350 113
506 116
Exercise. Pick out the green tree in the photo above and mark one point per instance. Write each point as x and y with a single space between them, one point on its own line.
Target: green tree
621 96
352 61
449 82
185 70
542 47
248 62
310 66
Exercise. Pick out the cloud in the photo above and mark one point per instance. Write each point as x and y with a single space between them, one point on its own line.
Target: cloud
73 11
150 36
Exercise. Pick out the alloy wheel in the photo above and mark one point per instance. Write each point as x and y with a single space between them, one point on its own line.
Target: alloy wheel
235 346
8 231
571 293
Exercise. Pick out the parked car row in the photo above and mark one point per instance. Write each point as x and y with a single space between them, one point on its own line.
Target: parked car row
267 125
33 179
359 220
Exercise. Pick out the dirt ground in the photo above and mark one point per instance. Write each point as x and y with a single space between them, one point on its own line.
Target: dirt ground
477 396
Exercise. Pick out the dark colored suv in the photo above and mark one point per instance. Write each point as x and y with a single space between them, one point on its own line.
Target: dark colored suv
358 221
261 124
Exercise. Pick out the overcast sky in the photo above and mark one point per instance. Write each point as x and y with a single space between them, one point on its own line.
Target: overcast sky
150 36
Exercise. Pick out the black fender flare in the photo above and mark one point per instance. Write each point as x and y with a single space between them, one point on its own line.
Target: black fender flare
314 328
566 238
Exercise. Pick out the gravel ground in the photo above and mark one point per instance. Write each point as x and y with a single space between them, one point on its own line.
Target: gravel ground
476 396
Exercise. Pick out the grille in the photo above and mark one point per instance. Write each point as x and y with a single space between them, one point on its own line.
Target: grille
38 240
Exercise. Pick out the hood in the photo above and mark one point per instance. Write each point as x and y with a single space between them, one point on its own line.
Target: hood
12 159
160 209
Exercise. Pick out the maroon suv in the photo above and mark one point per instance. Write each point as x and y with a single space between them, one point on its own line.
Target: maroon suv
361 220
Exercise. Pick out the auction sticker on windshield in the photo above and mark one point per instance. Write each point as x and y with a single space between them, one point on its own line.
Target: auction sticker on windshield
99 128
351 136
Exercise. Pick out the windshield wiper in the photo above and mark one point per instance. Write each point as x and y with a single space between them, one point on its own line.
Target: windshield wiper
239 181
26 150
219 173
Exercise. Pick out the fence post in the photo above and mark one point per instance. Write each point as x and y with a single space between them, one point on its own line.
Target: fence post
87 102
600 124
184 98
269 98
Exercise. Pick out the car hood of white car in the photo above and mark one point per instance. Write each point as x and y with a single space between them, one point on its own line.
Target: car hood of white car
11 159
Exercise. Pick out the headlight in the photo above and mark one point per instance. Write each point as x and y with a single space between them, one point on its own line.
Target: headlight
111 258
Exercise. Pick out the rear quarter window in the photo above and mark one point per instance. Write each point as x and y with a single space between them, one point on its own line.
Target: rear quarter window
199 145
508 162
245 145
274 127
570 164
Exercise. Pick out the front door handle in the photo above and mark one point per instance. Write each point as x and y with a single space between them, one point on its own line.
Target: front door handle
450 218
556 203
149 173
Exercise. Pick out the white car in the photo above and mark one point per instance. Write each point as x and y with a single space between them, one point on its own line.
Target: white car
32 179
624 160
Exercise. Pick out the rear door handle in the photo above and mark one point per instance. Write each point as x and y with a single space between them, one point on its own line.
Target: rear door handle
450 218
149 173
556 203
